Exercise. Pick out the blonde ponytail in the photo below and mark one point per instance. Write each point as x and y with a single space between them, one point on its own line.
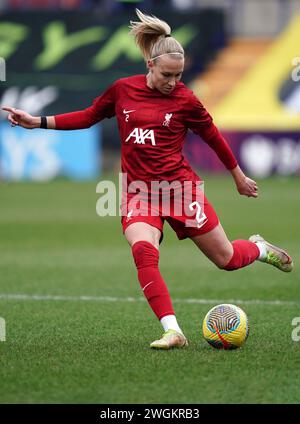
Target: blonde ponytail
153 37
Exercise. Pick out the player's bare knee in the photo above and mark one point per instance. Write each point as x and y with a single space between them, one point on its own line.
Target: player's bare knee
222 260
134 235
221 264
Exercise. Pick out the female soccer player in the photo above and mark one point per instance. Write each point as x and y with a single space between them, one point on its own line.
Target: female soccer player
154 112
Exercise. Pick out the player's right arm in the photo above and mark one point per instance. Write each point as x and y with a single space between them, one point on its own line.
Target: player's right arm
67 121
102 107
23 119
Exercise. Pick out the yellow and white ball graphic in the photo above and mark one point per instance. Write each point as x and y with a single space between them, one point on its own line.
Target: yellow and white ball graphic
226 326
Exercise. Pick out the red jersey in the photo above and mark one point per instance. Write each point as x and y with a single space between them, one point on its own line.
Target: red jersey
152 128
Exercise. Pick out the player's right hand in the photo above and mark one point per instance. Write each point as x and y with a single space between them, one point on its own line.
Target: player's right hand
21 118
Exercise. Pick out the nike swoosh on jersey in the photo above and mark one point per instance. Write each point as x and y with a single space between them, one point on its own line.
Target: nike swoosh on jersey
128 111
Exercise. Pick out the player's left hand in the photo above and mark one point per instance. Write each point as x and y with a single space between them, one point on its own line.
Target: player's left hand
247 187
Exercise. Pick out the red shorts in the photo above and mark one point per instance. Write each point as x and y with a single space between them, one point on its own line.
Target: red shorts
189 215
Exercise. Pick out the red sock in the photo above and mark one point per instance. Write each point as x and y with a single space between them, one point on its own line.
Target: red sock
146 258
244 253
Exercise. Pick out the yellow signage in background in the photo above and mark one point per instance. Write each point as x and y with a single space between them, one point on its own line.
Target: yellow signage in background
254 102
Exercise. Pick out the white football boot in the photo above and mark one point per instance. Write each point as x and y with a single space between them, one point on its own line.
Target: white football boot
170 339
273 255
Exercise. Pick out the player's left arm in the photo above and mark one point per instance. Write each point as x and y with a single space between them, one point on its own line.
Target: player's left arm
200 122
245 185
212 136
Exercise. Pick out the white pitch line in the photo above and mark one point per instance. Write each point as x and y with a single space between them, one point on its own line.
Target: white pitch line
9 296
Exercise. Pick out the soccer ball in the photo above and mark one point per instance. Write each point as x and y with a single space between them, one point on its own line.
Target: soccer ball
226 327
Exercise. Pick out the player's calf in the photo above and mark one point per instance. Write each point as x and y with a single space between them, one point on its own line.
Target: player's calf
244 253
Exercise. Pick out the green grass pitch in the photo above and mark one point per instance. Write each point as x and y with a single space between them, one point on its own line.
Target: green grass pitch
71 349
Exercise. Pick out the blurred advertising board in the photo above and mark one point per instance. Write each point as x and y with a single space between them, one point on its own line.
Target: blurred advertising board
58 62
41 155
260 154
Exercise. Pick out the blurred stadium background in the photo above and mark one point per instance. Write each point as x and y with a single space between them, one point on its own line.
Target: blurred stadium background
67 276
61 54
